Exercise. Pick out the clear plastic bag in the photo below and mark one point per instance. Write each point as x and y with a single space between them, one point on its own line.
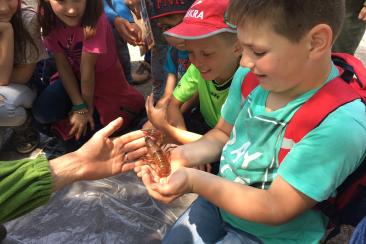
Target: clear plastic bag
113 210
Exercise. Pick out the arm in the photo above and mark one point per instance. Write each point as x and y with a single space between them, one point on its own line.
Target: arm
87 78
68 78
362 14
118 8
175 116
171 81
275 206
120 16
28 183
6 52
22 73
158 118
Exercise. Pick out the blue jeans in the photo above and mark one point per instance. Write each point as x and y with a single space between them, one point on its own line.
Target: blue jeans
202 223
359 235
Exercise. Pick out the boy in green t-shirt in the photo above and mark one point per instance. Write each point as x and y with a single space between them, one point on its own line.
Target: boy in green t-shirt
214 52
287 45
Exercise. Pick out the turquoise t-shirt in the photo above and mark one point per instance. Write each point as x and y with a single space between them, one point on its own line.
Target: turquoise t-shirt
211 95
315 166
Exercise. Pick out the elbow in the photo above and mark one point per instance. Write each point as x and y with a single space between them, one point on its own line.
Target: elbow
4 82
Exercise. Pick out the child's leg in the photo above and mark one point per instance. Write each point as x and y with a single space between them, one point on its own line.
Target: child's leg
14 98
201 223
53 104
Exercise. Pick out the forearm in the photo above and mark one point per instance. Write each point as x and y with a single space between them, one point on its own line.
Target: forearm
170 84
66 170
175 116
6 55
68 78
24 185
22 73
87 74
87 92
206 150
243 201
180 136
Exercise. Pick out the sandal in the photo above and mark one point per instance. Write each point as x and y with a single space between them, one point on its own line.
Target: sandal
25 141
142 73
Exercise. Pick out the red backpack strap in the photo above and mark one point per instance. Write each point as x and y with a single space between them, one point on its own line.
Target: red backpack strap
314 111
357 65
249 83
353 72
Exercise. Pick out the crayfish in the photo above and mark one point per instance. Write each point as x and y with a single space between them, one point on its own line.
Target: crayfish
158 157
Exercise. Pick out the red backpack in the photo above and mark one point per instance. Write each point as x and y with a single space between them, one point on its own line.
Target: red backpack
349 206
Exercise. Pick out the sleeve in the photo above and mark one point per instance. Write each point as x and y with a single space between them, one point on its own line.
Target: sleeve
24 185
32 55
98 43
188 85
169 63
117 8
324 158
111 14
234 103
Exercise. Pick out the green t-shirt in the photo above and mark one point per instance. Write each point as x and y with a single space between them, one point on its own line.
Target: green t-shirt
211 96
315 166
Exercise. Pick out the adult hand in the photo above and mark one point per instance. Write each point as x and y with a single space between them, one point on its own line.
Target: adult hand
103 156
157 115
130 32
362 14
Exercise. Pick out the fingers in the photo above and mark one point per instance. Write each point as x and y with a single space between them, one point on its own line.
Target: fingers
362 14
163 102
149 104
91 123
129 137
113 126
136 154
127 167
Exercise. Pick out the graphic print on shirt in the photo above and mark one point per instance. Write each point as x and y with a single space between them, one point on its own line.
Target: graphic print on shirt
249 156
72 50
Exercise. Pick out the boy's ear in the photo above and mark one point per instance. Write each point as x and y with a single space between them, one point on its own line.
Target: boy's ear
238 50
320 40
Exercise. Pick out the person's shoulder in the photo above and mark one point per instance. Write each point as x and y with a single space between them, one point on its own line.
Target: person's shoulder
29 16
348 119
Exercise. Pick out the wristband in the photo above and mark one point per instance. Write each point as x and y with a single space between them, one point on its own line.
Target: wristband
81 112
79 107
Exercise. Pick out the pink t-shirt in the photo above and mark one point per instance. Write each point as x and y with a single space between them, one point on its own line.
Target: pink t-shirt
70 40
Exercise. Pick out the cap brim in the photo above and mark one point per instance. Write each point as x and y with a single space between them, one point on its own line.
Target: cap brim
194 31
168 13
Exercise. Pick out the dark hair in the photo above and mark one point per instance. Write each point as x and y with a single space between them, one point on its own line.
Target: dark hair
21 34
48 19
289 18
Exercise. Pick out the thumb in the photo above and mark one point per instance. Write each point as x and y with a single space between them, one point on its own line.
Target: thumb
163 102
109 129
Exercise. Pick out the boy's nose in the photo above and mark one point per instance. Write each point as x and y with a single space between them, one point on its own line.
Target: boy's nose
246 61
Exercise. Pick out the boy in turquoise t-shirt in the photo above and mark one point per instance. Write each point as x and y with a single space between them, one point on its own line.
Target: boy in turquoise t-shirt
287 45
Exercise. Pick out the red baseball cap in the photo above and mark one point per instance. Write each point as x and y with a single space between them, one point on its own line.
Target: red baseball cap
203 19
